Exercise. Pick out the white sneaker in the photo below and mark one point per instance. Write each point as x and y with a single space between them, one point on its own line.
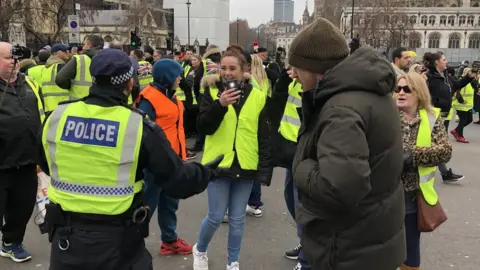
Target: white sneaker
297 267
233 266
256 212
200 259
225 218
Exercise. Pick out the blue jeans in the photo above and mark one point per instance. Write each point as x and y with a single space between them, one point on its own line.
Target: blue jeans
413 240
291 199
255 199
222 193
167 208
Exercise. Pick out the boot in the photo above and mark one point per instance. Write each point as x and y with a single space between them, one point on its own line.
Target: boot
404 267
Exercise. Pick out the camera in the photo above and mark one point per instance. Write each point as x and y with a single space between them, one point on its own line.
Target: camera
232 85
19 52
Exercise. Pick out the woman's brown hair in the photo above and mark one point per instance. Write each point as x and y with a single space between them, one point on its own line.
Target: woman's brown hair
241 59
235 48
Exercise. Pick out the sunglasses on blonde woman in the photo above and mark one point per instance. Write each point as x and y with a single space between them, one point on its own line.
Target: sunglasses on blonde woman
405 89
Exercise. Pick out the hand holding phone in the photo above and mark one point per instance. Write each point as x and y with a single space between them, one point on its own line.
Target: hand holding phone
229 96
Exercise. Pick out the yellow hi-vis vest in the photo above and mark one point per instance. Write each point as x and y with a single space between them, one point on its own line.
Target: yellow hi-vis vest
80 85
36 90
144 80
450 115
36 73
424 139
52 93
179 92
237 131
92 153
290 123
468 96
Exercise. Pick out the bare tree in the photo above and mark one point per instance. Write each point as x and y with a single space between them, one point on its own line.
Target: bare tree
383 23
9 8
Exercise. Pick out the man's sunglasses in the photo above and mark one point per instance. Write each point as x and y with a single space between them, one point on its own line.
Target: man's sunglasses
405 89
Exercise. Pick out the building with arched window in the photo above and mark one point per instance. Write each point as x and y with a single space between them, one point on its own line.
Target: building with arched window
439 24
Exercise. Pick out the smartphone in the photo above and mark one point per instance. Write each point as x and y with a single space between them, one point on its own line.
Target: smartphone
234 86
475 66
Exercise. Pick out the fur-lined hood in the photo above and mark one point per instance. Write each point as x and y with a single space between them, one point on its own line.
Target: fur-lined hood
212 80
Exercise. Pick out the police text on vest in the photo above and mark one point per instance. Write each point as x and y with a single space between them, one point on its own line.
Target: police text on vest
91 131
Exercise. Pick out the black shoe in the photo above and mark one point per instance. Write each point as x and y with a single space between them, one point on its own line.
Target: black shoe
478 122
450 177
293 254
196 148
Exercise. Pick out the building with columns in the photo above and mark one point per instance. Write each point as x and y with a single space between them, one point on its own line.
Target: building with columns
450 24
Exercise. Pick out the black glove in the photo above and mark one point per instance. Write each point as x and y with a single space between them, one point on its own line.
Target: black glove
408 162
460 98
213 165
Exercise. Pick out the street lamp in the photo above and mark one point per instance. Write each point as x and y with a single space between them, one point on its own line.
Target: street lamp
188 15
351 19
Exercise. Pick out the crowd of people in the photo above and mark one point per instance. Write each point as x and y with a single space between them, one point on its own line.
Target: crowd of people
113 129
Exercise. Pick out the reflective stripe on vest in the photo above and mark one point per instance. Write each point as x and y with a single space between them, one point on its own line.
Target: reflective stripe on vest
424 139
80 85
36 73
468 97
239 132
52 93
36 90
92 154
290 123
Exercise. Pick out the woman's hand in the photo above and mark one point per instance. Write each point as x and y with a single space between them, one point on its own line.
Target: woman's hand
291 73
229 96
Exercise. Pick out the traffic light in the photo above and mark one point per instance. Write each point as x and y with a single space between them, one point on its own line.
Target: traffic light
135 40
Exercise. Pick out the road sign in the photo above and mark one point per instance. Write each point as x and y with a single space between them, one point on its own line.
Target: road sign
74 38
73 24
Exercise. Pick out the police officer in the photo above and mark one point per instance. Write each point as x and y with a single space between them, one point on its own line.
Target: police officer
95 150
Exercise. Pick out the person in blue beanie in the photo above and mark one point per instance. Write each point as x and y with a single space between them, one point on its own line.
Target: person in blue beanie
159 102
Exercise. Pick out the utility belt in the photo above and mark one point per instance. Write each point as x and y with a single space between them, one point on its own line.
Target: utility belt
135 225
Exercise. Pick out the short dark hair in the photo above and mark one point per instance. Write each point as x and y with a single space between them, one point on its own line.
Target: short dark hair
397 53
96 41
138 53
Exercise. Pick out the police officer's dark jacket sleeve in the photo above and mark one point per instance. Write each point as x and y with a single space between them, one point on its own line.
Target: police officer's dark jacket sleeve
67 74
177 178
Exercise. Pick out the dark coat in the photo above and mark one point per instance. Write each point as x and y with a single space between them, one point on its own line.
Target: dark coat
347 168
442 88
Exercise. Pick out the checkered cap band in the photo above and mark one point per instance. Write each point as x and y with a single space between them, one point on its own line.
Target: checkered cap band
116 80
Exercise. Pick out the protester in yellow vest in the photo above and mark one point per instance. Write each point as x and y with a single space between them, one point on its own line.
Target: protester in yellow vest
463 103
51 92
260 76
234 119
425 145
144 69
95 151
75 75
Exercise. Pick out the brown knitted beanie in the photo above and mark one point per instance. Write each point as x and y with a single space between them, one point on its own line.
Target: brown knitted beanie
318 47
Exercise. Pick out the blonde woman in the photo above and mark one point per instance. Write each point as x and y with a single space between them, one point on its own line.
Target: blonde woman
425 145
259 76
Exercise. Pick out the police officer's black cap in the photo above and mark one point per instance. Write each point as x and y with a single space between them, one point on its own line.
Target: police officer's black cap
111 66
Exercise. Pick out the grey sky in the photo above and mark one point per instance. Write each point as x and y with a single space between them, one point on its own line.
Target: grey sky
260 11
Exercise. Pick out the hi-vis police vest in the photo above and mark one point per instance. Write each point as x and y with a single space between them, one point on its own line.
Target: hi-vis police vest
424 139
52 93
92 153
169 116
36 90
145 77
290 123
83 80
239 132
179 92
36 73
468 96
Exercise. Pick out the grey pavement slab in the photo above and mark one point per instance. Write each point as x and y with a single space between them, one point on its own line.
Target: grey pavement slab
452 246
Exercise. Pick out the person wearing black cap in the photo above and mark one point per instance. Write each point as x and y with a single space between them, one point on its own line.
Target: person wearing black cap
95 150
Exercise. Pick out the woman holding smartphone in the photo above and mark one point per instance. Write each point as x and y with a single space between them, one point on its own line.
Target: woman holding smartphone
234 118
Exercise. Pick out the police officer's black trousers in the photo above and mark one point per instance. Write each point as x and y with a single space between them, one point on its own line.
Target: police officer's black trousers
105 248
18 189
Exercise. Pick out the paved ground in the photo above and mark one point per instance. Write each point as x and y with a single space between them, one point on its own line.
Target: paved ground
453 246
